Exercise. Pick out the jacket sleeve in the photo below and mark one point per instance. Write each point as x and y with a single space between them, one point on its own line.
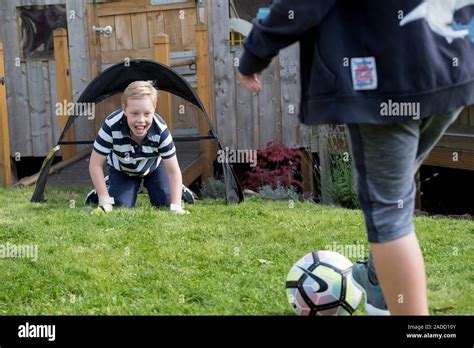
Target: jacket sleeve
283 26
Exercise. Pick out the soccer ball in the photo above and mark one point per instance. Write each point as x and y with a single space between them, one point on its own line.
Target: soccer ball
320 283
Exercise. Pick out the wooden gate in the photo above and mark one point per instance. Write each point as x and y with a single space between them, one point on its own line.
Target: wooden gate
138 30
134 26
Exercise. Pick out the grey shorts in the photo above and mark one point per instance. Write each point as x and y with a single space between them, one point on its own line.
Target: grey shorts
385 161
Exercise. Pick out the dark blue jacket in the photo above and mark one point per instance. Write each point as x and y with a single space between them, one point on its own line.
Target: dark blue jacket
371 61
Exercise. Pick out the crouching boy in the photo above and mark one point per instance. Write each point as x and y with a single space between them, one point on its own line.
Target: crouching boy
137 145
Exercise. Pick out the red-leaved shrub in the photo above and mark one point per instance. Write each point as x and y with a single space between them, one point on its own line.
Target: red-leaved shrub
276 164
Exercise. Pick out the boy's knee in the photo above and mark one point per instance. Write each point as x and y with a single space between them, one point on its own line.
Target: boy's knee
160 198
159 190
124 203
159 193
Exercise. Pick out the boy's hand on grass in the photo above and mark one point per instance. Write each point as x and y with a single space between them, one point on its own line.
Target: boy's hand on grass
106 203
177 209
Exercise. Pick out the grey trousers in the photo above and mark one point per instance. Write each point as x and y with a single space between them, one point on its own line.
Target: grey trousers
385 160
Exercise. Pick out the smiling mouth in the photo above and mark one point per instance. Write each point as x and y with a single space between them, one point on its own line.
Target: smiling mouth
139 129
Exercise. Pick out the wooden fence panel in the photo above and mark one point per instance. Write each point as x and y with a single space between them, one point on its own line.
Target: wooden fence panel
139 27
294 134
244 110
108 43
173 29
135 27
224 76
24 119
188 25
266 117
16 87
269 106
245 118
249 121
185 116
36 98
78 33
123 32
156 25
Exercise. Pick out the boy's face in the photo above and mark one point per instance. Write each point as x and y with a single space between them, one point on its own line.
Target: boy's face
139 113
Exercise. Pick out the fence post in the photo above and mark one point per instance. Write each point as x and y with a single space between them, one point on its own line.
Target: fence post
63 89
203 88
5 164
161 51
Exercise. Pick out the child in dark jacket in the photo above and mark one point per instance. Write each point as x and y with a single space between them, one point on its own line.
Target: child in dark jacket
398 73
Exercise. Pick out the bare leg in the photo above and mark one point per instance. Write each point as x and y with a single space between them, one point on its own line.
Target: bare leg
401 273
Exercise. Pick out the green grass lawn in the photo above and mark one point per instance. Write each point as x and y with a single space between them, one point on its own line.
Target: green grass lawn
145 261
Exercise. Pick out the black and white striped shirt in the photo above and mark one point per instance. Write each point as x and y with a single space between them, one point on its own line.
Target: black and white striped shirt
124 154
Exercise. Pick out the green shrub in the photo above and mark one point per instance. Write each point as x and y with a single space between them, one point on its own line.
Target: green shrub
339 179
341 184
278 192
214 189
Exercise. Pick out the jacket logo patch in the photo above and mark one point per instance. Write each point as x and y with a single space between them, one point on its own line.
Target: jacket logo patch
364 73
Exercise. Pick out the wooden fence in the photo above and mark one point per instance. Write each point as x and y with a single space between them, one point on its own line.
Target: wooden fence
245 120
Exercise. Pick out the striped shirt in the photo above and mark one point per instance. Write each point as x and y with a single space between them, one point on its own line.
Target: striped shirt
124 154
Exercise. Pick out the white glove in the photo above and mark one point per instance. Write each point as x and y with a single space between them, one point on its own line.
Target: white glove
177 209
106 203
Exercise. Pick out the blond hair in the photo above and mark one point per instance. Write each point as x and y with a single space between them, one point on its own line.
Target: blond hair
140 90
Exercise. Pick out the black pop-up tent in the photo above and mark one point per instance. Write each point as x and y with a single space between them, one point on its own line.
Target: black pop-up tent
114 80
